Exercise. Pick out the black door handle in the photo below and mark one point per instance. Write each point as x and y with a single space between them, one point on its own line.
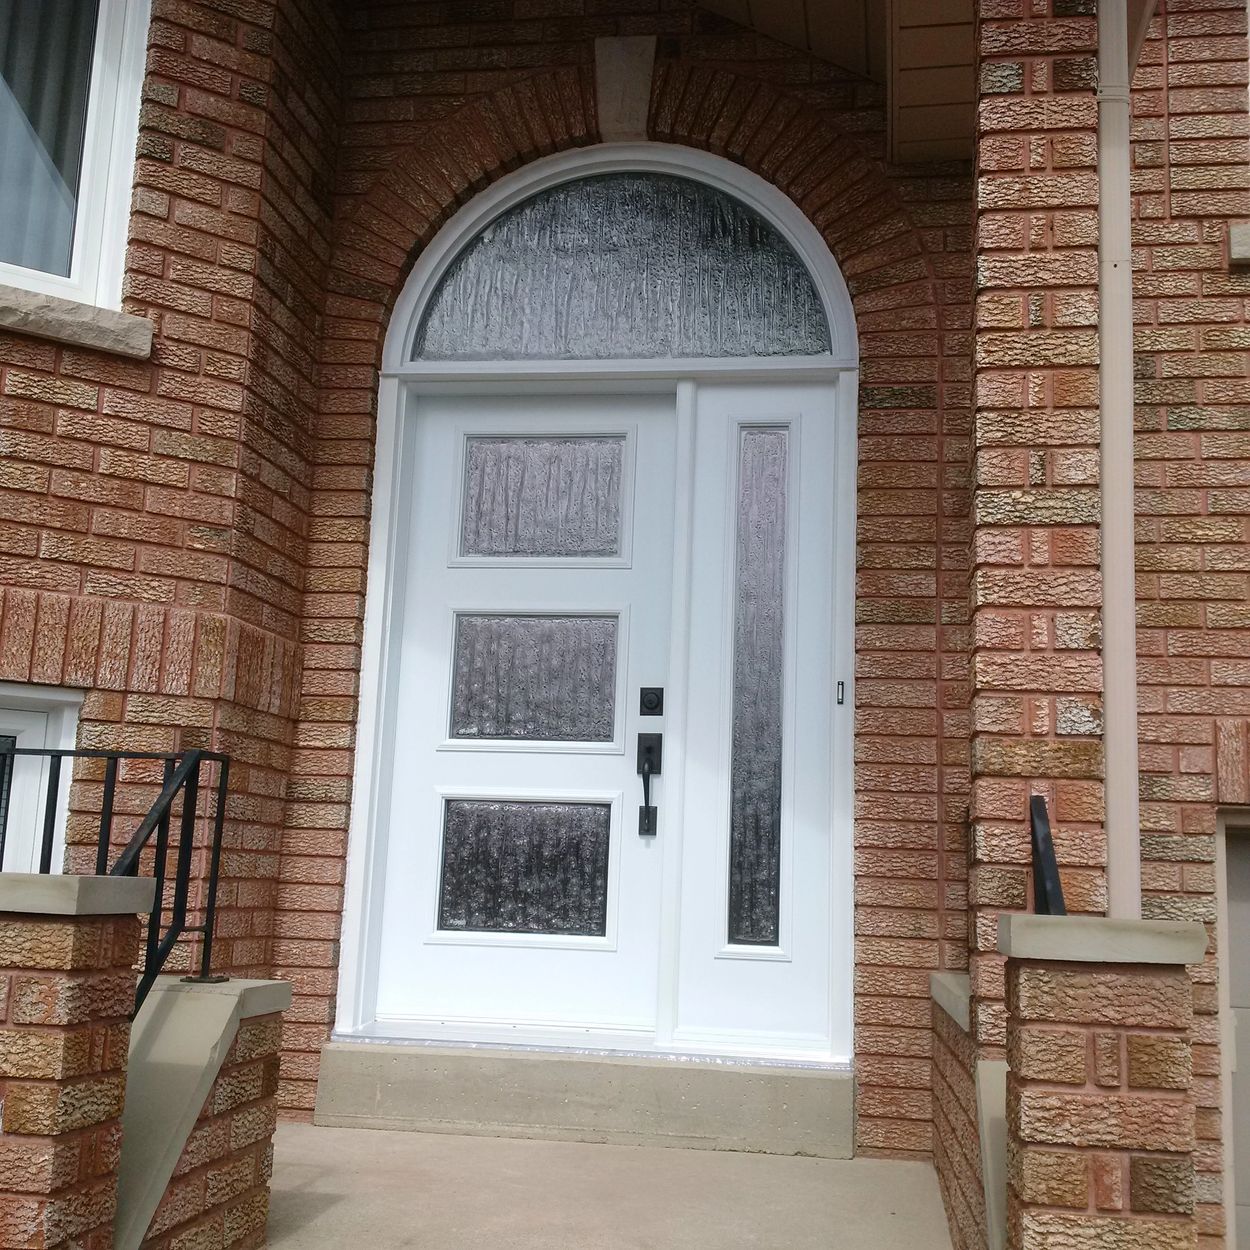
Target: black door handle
650 764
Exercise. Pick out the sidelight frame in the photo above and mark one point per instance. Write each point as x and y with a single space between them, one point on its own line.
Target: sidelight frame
404 382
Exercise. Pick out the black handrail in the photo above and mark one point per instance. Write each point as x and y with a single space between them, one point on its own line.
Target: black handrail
183 776
1047 888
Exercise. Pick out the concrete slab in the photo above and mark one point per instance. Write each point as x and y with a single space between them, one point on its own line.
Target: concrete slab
385 1190
592 1097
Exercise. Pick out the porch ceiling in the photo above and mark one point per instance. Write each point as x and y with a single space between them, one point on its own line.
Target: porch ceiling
921 50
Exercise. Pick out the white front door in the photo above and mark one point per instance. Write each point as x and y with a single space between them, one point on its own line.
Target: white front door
520 895
565 561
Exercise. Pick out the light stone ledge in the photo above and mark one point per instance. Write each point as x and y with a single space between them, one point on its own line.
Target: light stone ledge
952 991
36 894
1098 940
80 325
1239 243
178 1044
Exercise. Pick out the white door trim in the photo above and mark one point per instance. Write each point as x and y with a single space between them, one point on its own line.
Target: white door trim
402 380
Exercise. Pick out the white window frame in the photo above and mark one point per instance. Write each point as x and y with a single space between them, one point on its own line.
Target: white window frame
60 706
110 135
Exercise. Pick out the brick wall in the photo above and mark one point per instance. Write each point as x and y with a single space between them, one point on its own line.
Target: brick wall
436 110
1100 1116
66 992
154 515
219 1194
956 1133
1036 585
1191 173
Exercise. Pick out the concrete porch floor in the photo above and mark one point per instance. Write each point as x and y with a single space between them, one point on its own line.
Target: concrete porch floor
373 1189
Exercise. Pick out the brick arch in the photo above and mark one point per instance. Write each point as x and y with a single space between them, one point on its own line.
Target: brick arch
902 243
802 151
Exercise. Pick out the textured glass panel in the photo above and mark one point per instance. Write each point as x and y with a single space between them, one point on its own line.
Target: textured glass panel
46 48
759 624
517 867
545 678
542 496
624 265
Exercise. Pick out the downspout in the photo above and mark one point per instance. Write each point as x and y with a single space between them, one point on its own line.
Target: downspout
1115 377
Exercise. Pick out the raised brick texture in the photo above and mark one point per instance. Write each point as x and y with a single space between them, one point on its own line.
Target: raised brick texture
1100 1111
67 989
1036 585
153 516
219 1194
1191 174
956 1133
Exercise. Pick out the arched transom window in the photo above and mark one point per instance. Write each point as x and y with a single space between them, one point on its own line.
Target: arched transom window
625 266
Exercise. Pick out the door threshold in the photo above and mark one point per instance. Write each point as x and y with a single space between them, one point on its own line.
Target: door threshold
653 1098
673 1053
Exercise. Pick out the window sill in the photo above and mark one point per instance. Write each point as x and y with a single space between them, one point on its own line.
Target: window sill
81 325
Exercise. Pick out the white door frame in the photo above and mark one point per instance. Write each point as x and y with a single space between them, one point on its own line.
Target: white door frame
403 380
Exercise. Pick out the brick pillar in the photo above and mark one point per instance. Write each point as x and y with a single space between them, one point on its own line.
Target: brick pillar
1100 1111
1036 586
68 946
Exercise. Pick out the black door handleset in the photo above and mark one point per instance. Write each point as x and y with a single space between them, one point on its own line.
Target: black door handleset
650 764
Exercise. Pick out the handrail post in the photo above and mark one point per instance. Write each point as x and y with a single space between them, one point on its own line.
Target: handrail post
214 872
49 814
106 817
1047 887
7 760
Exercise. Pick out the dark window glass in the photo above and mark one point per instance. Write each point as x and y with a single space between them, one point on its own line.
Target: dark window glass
45 75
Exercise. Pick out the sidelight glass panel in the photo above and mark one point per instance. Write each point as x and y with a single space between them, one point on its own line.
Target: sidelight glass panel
525 867
542 496
758 681
538 678
46 48
625 265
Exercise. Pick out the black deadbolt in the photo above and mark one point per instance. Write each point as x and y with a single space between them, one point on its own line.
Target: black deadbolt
651 701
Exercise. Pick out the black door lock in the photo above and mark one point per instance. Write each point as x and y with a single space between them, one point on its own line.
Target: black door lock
650 764
651 701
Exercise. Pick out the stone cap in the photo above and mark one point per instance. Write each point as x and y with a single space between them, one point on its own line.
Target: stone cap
35 894
1099 940
952 991
253 998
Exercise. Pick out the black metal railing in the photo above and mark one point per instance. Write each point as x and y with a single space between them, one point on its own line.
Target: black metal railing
177 807
1047 888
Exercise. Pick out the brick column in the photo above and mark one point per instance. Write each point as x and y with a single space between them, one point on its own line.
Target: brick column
67 983
1100 1111
1036 585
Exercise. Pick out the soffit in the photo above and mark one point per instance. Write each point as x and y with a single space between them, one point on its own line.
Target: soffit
921 49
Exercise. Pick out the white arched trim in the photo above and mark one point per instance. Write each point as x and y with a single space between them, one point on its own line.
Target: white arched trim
662 158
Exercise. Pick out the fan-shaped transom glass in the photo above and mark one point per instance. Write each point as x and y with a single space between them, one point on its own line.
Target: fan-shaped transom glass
625 266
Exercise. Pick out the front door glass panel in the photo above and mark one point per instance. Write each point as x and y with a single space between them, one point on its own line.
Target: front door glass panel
520 867
554 497
625 266
537 678
758 680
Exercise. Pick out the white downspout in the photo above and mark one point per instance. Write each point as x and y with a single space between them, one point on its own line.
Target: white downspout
1115 375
